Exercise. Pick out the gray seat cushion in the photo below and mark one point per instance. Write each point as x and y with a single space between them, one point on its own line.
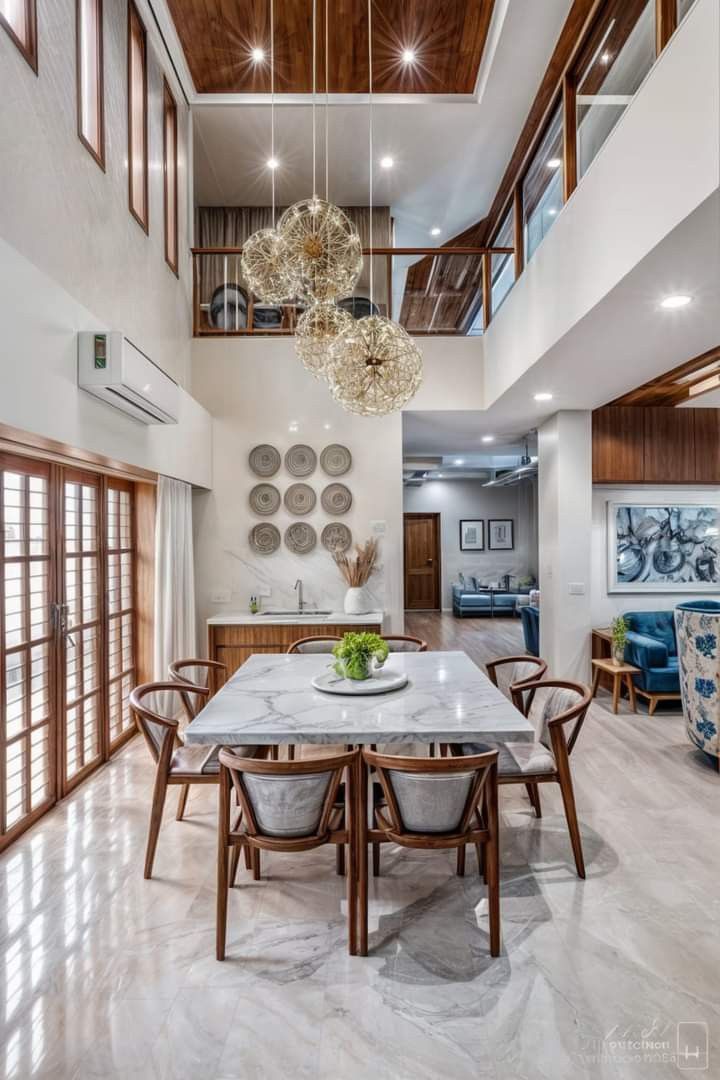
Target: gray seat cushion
516 758
203 760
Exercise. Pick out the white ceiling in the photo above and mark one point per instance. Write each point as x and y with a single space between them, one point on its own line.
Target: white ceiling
453 432
449 156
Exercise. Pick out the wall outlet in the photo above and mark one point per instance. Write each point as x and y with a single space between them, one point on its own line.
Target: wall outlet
379 528
576 588
221 596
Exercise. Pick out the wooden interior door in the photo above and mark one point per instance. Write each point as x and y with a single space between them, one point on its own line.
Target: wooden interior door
81 621
28 715
422 562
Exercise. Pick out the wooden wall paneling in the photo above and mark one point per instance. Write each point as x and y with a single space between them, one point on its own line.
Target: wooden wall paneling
569 136
707 445
144 505
665 23
669 446
618 436
233 644
518 231
487 289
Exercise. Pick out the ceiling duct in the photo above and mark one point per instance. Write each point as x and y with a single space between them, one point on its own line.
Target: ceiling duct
526 469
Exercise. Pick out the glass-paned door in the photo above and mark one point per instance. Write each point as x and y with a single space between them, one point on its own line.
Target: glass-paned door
120 608
28 718
81 625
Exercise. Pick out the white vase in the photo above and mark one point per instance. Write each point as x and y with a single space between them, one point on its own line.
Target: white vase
356 601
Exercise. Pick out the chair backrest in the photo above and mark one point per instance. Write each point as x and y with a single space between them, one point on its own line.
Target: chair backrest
433 796
286 800
556 703
156 707
530 618
314 644
654 624
510 673
404 643
208 674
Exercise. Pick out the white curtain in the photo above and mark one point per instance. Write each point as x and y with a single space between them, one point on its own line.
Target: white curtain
175 632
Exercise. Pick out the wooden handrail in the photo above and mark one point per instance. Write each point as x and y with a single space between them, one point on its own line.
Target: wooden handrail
381 251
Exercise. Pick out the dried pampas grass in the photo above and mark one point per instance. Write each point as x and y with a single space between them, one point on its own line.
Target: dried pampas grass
356 569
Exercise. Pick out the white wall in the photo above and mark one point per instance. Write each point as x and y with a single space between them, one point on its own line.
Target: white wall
452 373
606 606
255 390
71 219
457 499
661 162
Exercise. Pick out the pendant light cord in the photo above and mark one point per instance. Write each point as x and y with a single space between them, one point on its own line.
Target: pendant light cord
370 146
314 89
327 105
272 106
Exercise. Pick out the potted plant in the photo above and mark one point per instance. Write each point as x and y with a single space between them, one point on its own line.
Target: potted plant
354 655
619 630
356 570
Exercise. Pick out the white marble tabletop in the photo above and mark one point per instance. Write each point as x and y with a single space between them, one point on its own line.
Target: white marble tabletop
270 699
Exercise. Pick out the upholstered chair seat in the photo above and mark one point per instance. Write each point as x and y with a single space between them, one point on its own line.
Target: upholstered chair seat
202 760
515 758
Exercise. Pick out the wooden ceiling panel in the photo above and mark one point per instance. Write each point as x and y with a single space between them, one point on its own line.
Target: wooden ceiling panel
692 379
447 36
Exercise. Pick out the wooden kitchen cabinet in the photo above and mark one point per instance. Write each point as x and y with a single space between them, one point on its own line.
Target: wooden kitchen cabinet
233 643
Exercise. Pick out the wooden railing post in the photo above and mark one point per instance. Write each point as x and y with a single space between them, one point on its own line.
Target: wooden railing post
487 289
518 230
569 110
665 23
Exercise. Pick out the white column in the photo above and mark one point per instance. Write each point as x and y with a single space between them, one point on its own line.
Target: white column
564 535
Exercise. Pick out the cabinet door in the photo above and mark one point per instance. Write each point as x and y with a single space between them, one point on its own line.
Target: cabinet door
617 445
669 446
707 445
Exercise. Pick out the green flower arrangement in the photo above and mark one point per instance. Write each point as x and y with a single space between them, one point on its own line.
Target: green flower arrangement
355 653
619 630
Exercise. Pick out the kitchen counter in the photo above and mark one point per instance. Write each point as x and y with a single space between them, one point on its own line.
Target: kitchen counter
308 618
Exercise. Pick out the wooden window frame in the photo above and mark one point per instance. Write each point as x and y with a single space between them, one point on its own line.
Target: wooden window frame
98 154
114 484
134 15
170 111
28 49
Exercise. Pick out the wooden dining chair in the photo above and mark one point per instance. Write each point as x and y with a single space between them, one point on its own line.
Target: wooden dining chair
309 646
436 803
205 674
516 671
557 706
285 806
175 763
404 643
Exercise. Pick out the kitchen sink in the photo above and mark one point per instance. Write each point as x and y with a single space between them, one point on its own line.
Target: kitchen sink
295 614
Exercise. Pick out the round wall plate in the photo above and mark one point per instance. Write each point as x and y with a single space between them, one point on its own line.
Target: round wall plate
264 538
300 460
336 499
335 460
264 460
264 499
300 538
336 537
300 499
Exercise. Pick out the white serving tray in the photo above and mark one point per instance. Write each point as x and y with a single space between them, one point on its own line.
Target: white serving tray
381 682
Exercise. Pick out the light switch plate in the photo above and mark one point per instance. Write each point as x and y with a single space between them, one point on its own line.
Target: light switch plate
221 596
379 528
576 588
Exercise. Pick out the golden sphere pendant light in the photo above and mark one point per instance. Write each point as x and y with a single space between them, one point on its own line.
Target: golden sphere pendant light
375 367
264 267
316 331
322 249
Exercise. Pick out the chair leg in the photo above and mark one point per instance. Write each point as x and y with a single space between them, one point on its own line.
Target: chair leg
376 859
222 864
461 861
234 860
156 813
568 797
340 859
480 860
256 864
248 856
182 800
491 864
534 795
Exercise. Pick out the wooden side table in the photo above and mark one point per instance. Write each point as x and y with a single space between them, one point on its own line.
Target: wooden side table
620 673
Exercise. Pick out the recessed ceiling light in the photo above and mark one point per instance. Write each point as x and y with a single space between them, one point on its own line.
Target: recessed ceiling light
293 425
488 438
605 58
544 396
327 426
438 476
258 55
554 163
272 163
675 301
459 461
408 56
435 231
552 211
387 162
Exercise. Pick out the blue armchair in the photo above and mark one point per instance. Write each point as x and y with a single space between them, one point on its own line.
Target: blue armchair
652 647
530 616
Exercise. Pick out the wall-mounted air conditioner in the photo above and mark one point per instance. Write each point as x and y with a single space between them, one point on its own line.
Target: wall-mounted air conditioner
113 369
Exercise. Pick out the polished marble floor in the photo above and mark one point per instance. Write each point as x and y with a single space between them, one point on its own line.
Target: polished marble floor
105 975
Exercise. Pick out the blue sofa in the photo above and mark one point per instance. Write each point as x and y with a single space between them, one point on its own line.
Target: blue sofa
530 616
470 599
652 647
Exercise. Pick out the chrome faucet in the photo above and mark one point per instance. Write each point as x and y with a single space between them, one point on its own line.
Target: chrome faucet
299 588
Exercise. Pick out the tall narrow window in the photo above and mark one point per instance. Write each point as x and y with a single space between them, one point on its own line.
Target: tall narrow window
19 18
91 111
120 608
137 117
170 168
542 188
503 266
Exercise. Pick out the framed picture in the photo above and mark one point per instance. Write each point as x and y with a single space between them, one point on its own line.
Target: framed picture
663 548
472 535
500 534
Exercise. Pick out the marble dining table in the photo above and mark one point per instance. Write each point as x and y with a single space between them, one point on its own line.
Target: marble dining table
270 700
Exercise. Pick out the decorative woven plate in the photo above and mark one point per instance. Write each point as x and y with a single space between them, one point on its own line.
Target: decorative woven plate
300 460
336 499
264 499
264 538
264 460
336 537
300 499
300 538
335 460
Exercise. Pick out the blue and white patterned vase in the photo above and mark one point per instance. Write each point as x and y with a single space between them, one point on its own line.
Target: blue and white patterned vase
698 638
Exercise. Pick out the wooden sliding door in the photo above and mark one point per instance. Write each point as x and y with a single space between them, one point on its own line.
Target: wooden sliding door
67 630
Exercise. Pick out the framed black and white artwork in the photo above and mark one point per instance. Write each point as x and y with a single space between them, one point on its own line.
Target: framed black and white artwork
672 548
472 535
500 534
